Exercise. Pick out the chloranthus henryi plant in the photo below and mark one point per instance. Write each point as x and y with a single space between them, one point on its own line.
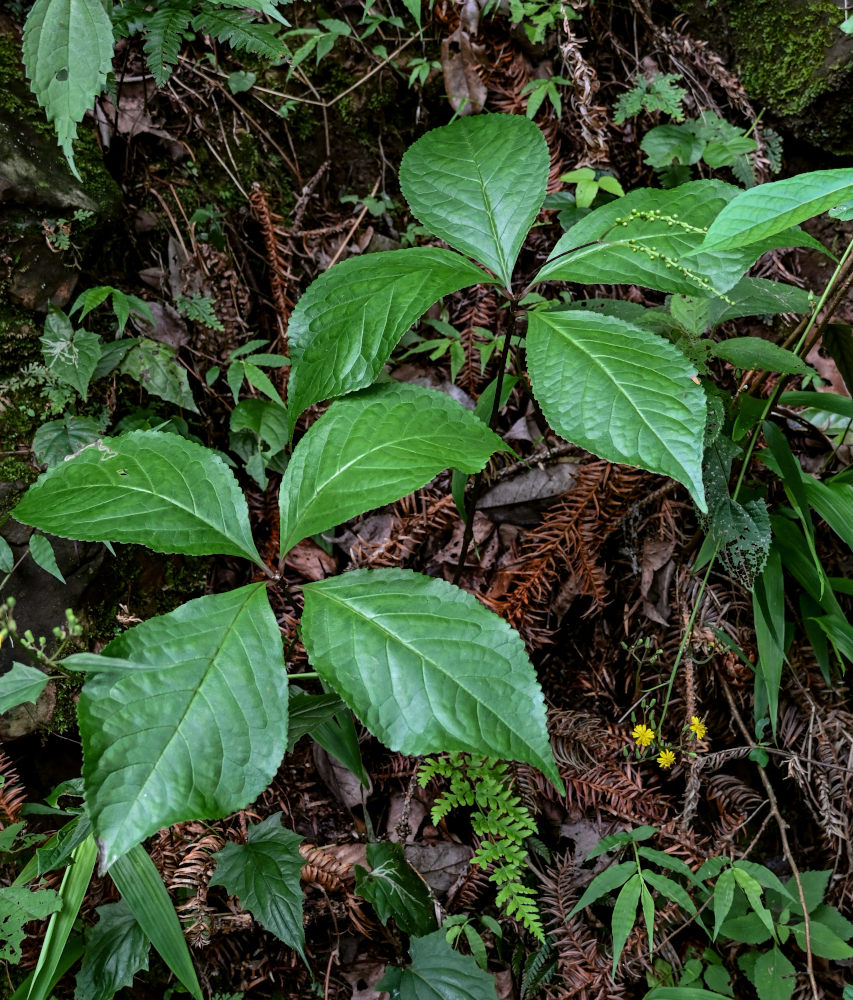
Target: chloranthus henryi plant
186 716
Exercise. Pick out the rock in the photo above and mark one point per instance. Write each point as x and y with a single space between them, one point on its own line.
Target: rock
791 58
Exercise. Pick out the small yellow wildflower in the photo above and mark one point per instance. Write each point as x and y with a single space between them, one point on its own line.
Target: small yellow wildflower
666 759
642 735
698 727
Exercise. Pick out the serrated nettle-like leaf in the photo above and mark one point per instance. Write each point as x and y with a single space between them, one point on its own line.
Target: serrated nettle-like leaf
264 875
763 355
438 972
426 667
768 209
185 717
345 326
619 391
478 184
116 949
654 238
57 439
145 487
21 685
70 355
373 448
395 889
68 51
155 367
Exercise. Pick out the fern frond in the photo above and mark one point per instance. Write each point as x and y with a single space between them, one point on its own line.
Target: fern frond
500 819
231 27
164 33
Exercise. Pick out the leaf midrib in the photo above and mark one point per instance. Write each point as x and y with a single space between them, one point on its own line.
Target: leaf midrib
371 622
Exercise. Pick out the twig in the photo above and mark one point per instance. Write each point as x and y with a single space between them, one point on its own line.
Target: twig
783 834
353 227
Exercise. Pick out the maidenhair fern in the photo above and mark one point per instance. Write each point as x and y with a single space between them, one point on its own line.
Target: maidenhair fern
499 818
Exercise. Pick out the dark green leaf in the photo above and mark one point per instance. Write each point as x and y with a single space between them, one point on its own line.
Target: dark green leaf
116 949
620 392
306 711
154 489
7 557
57 439
155 367
69 355
426 667
768 604
437 972
19 685
207 676
42 552
478 184
373 448
395 889
345 326
624 915
608 880
724 894
773 976
264 875
754 353
825 943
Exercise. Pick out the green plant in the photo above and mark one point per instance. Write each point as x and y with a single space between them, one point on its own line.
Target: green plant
545 88
499 819
459 926
186 716
672 149
660 93
749 905
68 46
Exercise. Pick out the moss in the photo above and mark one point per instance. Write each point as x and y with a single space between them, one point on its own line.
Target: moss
781 50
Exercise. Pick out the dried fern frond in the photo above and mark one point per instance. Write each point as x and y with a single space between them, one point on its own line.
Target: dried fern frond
13 795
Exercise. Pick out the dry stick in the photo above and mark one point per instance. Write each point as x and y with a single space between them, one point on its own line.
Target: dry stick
353 227
783 833
479 486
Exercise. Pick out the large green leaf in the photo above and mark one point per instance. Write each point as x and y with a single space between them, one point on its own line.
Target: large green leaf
264 875
478 184
768 209
183 717
136 877
373 448
641 239
146 487
345 326
395 889
622 393
426 667
438 972
116 949
68 51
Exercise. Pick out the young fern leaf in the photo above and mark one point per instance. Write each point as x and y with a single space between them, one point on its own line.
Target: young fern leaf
163 38
499 818
68 51
235 29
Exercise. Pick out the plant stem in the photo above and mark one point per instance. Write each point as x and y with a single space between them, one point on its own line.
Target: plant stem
308 676
479 485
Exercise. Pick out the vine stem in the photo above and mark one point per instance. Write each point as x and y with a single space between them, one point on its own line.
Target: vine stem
783 834
478 488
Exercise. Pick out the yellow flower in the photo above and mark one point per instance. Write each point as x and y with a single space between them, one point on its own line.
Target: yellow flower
666 758
698 727
643 735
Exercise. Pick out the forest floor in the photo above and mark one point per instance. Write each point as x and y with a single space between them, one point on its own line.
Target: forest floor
242 191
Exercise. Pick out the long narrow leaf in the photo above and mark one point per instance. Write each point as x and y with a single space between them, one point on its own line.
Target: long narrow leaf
768 603
141 887
73 888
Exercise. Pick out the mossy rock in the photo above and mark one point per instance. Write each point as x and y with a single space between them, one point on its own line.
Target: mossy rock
791 58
